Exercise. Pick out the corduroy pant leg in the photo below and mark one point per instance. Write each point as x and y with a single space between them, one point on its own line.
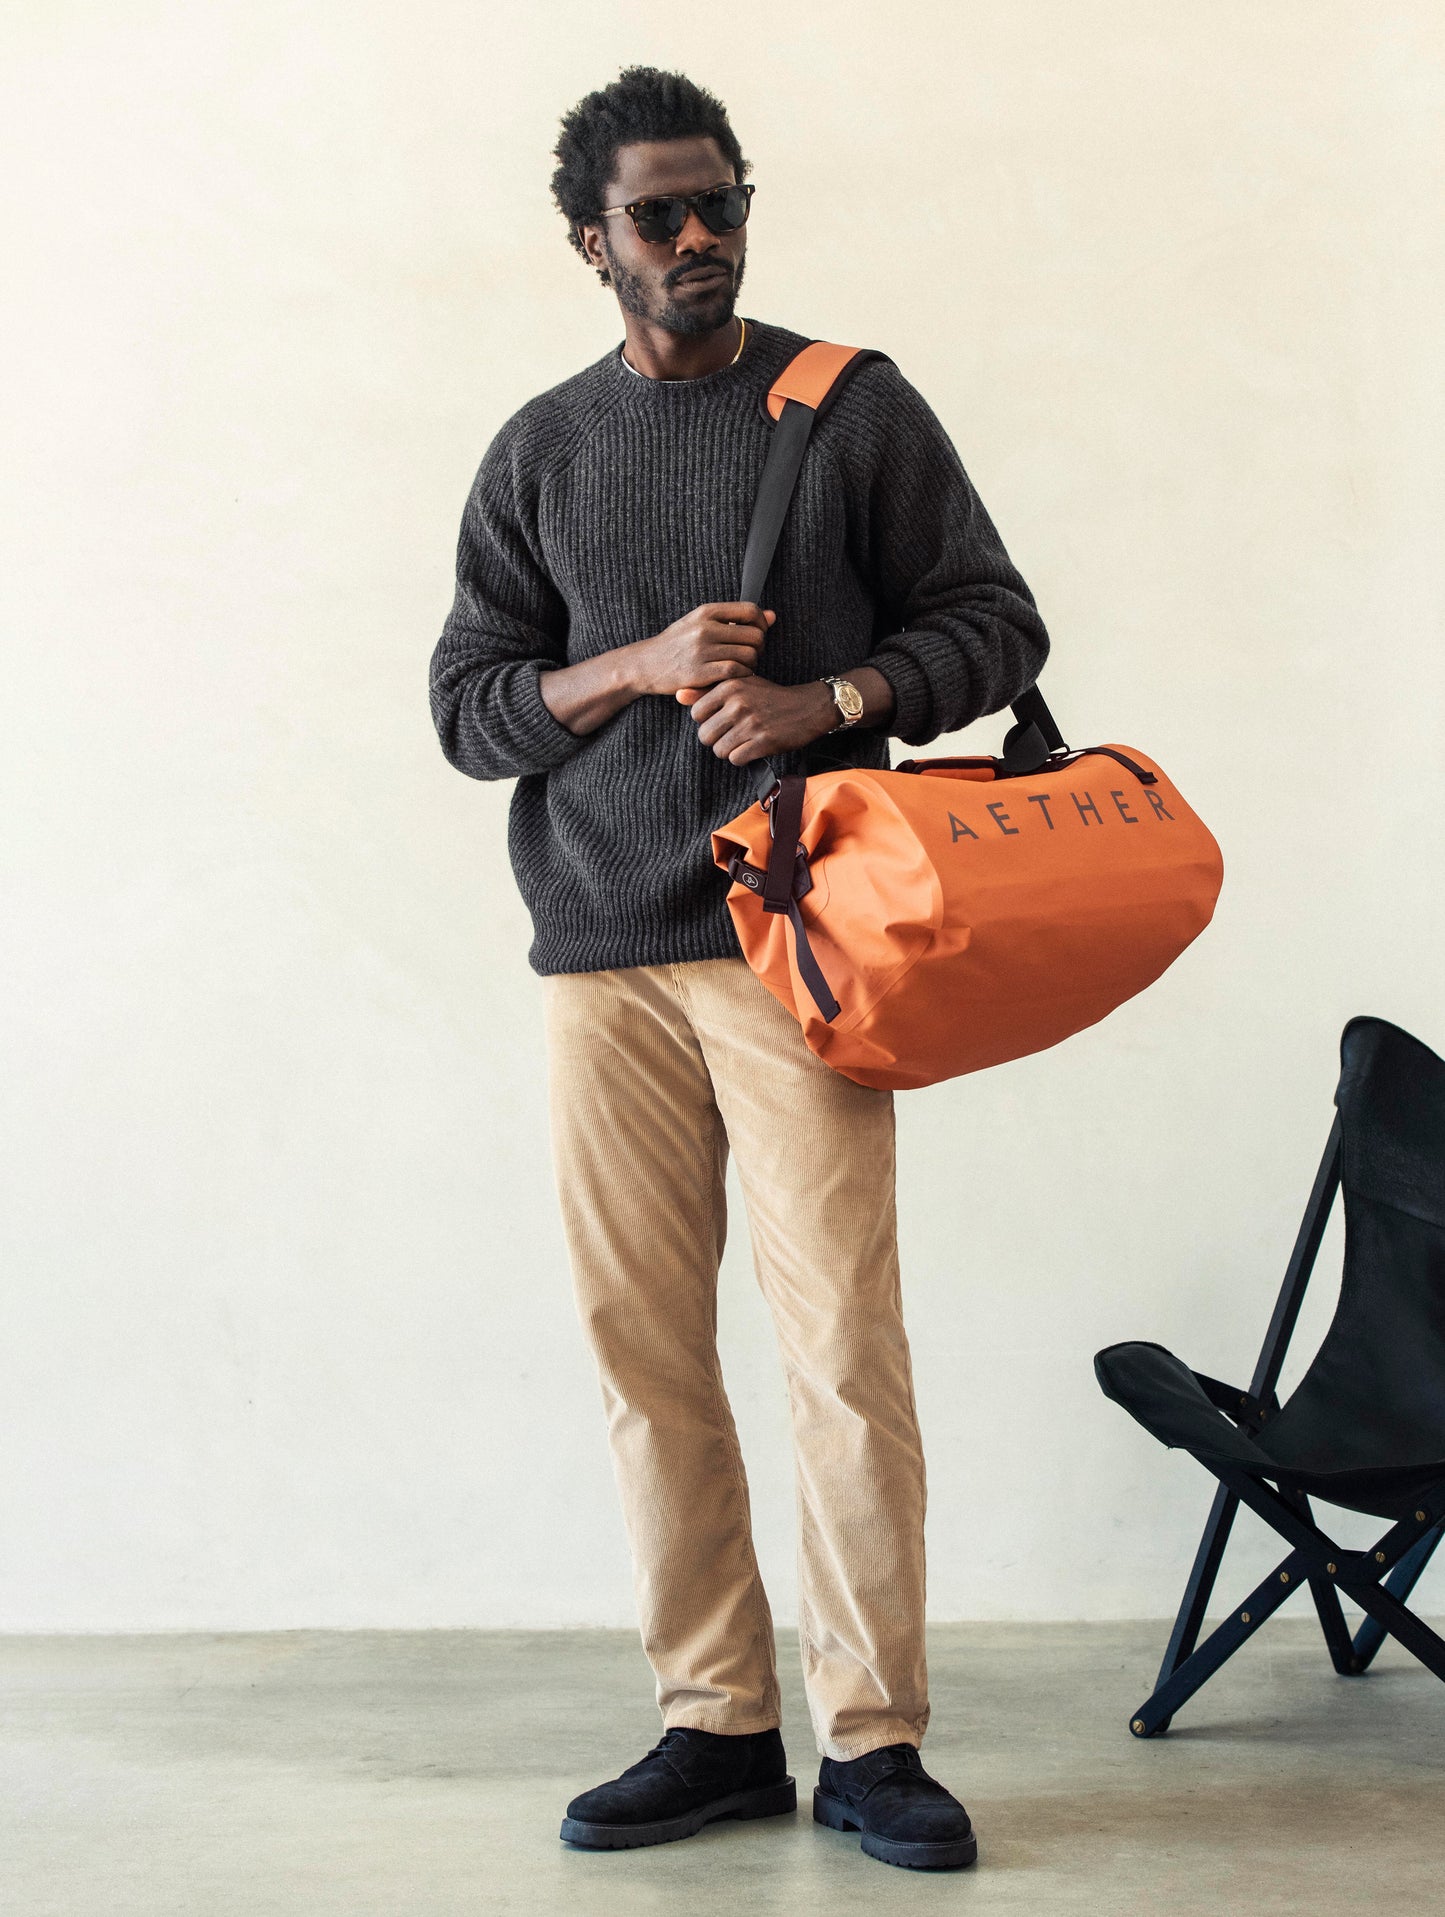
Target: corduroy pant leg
815 1154
640 1155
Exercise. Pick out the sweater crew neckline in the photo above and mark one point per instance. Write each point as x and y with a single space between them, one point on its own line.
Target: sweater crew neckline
766 350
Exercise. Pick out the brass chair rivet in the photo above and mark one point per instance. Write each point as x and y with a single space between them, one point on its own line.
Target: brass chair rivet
1419 1517
1379 1557
1137 1725
1332 1568
1284 1577
1244 1617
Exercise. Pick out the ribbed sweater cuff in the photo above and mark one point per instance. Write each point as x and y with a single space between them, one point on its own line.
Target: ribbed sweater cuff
912 719
537 734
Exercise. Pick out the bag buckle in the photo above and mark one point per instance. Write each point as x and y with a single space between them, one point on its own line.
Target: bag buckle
754 878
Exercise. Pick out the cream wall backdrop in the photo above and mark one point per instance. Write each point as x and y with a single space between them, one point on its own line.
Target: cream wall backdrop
287 1331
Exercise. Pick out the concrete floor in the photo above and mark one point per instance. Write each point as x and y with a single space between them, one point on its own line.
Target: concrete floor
316 1774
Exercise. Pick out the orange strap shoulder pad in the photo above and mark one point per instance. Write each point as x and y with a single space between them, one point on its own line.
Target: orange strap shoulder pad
809 375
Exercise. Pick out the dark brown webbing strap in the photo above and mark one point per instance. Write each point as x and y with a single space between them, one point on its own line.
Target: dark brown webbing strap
809 970
786 878
785 817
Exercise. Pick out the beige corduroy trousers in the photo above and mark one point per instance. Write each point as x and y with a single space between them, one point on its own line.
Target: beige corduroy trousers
655 1071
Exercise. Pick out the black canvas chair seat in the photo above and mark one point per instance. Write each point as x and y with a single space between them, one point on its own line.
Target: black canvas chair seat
1186 1410
1365 1427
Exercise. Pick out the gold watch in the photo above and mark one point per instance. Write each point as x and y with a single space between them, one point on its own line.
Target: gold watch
849 701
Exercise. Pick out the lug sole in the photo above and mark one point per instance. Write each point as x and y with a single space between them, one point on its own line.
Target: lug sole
956 1854
774 1800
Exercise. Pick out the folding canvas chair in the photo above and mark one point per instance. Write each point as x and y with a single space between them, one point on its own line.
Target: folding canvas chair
1365 1428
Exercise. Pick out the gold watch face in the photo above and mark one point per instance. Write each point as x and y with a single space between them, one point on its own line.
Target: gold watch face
848 699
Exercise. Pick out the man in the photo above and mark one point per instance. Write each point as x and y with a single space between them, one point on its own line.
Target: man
596 654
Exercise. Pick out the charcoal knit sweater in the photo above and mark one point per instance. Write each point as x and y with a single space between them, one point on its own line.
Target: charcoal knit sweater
612 505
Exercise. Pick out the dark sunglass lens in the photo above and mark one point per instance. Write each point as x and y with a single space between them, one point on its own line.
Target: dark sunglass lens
661 219
724 209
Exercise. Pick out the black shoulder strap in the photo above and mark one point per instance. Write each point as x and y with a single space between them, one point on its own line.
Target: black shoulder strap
798 398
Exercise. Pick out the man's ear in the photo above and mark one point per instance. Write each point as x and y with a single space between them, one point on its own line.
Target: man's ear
594 250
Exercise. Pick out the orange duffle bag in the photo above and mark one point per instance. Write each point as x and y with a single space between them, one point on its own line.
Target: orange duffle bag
956 912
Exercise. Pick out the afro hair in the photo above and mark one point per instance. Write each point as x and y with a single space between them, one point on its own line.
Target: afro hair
642 103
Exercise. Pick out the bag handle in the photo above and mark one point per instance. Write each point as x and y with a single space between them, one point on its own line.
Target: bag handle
797 399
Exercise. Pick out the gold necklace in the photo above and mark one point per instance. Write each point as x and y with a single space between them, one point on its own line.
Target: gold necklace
742 342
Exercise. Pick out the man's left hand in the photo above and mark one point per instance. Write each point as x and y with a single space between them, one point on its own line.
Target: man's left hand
746 719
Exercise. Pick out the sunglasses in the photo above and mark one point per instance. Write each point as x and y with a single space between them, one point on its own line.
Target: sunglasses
722 209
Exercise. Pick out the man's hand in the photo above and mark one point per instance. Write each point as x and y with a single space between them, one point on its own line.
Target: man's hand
705 647
702 649
746 719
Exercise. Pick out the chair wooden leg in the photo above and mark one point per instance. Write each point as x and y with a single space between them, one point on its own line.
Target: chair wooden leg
1338 1641
1411 1631
1200 1587
1327 1608
1401 1581
1264 1600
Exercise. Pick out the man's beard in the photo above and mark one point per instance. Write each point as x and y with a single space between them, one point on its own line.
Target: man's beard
698 316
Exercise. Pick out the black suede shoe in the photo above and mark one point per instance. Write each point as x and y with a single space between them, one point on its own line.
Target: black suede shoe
688 1780
906 1817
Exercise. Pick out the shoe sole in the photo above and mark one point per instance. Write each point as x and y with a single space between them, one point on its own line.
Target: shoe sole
956 1855
776 1800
